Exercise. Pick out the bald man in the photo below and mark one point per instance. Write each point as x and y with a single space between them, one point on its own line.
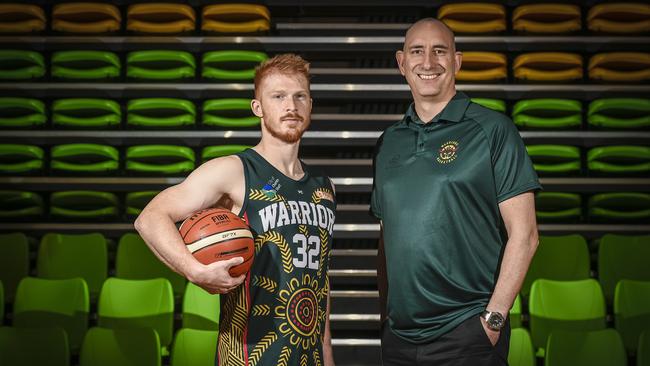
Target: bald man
453 188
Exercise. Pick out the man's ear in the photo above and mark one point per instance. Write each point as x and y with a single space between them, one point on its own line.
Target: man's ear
256 107
399 56
458 58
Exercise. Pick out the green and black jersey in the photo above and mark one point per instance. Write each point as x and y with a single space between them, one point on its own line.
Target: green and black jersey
277 316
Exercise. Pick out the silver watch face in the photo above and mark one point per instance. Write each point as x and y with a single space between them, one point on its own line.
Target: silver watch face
495 321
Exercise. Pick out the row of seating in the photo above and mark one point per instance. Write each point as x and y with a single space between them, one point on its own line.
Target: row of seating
152 18
602 207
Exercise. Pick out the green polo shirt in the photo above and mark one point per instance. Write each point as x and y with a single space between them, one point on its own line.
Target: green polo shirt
437 187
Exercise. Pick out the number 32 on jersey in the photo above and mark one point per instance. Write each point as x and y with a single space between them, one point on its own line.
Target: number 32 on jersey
308 251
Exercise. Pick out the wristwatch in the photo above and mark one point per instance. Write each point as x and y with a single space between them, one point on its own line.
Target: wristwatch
495 321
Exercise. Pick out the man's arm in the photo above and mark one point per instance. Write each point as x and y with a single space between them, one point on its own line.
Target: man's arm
328 355
382 280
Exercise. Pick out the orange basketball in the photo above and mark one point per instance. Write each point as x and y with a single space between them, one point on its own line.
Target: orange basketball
217 234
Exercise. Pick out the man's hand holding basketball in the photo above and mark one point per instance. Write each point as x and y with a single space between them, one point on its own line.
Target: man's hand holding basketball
215 277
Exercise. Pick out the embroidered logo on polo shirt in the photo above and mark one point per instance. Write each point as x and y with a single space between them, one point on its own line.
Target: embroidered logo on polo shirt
448 152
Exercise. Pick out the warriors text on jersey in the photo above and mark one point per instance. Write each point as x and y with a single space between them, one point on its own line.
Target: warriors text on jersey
277 316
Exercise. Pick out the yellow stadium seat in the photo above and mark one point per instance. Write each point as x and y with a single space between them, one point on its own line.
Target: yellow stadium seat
86 18
619 18
548 66
474 17
160 18
546 18
620 66
483 66
21 18
236 18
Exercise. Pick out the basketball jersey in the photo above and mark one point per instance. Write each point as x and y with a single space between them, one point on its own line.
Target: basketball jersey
277 316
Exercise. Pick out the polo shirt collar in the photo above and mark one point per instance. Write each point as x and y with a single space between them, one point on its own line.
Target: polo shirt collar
453 111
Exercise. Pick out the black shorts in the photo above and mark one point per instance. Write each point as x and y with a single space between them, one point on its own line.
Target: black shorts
465 345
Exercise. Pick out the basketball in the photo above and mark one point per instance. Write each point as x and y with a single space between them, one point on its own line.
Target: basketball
217 234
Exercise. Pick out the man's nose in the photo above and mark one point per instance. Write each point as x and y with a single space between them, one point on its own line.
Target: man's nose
290 105
428 60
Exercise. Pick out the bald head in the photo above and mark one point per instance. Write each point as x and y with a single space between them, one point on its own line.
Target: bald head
431 23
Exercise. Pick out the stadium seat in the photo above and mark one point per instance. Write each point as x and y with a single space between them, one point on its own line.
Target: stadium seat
20 204
493 104
194 347
229 113
521 351
137 304
548 66
483 66
53 303
564 305
547 113
622 159
21 65
21 18
135 261
632 311
622 257
84 112
21 112
2 303
515 313
85 65
200 309
554 206
559 258
643 349
20 159
549 18
136 201
84 158
211 152
160 112
473 17
555 159
619 206
231 65
34 346
124 347
14 262
160 159
83 205
619 113
160 18
62 256
585 348
626 18
160 65
620 66
236 18
86 17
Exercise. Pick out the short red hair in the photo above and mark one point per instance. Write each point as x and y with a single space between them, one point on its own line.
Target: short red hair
287 63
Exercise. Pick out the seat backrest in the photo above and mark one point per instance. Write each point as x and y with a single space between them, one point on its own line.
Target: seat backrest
622 257
585 348
200 309
643 349
521 348
124 347
14 262
34 346
632 311
194 347
2 303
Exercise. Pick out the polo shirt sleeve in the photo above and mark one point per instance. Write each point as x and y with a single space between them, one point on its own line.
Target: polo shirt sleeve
514 173
375 201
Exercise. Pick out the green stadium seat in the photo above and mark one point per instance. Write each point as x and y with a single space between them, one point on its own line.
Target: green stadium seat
53 303
14 262
124 347
622 159
564 305
86 17
21 112
585 348
552 18
194 347
628 18
231 65
515 313
20 159
160 112
63 256
160 159
85 65
236 18
160 18
21 65
521 351
84 158
483 66
138 304
554 206
632 311
643 349
555 159
83 205
548 66
229 113
34 346
200 309
211 152
83 112
493 104
547 113
2 303
559 258
473 17
619 206
20 204
620 113
622 257
21 18
136 201
160 65
135 261
620 67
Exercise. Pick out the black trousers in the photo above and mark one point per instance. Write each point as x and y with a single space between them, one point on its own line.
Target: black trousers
466 345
